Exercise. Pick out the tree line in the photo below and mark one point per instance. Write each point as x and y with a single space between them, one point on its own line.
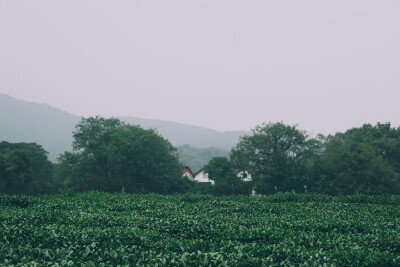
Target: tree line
112 156
25 168
281 158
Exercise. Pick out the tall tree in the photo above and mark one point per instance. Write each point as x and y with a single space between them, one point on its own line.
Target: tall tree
25 168
361 160
93 137
110 155
15 171
227 182
145 159
276 156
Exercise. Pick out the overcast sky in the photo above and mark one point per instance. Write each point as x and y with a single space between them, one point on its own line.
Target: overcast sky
220 64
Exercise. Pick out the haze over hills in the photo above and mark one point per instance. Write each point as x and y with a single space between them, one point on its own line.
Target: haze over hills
22 121
180 134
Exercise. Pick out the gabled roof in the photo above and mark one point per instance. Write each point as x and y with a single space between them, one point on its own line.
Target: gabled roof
199 171
187 169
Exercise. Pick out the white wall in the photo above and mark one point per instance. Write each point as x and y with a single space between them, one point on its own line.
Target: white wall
203 178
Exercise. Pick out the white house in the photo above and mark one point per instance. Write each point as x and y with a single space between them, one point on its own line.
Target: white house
199 176
202 177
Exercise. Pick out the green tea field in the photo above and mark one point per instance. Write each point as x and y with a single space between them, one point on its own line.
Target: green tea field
100 229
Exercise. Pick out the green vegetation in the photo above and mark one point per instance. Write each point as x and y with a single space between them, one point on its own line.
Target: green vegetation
361 160
227 182
22 121
281 158
102 229
112 156
276 156
24 168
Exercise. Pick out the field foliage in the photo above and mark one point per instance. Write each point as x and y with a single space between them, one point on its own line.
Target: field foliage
101 229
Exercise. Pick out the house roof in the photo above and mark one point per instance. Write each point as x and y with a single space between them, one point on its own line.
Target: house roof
187 169
199 171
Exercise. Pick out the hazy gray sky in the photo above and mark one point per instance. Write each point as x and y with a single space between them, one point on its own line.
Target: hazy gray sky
221 64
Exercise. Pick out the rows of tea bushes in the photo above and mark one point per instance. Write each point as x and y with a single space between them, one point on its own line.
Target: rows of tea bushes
100 229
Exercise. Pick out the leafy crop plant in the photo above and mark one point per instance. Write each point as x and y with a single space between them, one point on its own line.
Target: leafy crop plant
101 229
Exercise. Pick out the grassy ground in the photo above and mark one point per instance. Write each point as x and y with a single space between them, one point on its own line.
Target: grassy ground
95 228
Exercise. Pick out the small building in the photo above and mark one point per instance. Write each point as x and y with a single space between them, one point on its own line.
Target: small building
187 172
202 177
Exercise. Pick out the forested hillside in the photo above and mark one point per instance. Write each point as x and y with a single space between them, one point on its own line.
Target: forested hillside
180 134
22 121
113 156
196 158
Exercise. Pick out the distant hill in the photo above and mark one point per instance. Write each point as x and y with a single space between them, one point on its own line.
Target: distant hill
22 121
196 158
180 134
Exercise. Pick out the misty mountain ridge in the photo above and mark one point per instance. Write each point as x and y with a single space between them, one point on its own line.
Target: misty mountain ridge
22 121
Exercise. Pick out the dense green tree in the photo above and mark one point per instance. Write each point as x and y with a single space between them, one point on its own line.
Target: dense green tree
15 171
25 168
277 156
79 171
361 160
148 160
384 138
227 182
93 136
110 155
